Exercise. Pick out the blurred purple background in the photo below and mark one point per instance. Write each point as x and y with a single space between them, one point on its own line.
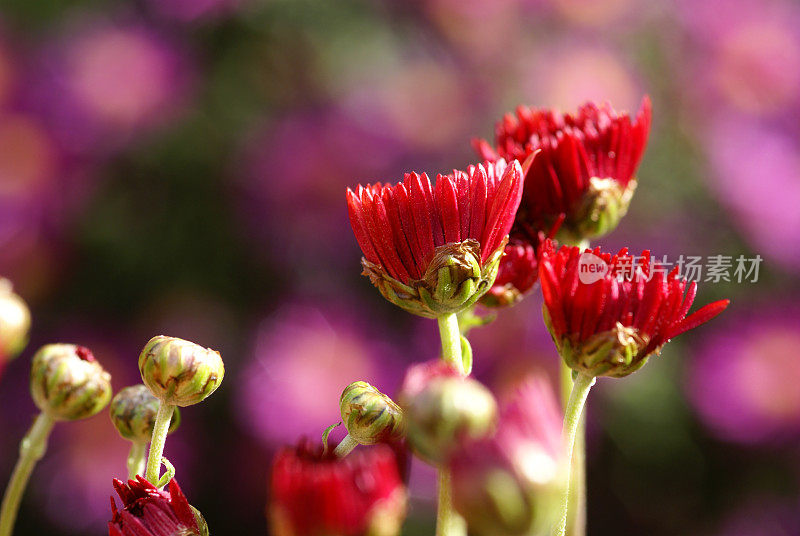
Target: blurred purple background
179 167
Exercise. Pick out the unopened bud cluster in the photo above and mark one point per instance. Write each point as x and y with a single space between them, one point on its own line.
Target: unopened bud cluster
179 372
133 412
68 383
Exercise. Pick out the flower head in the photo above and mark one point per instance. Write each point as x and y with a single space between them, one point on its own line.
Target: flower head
68 383
133 412
586 167
443 409
180 372
149 511
505 485
435 250
15 322
315 493
369 415
608 314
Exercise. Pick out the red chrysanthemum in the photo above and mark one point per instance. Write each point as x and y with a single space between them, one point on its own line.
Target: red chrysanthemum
519 266
586 167
318 494
411 231
608 314
149 511
516 275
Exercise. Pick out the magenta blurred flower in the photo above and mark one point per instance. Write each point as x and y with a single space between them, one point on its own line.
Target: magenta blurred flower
743 378
149 511
113 81
567 73
763 189
745 54
303 357
505 485
306 159
315 493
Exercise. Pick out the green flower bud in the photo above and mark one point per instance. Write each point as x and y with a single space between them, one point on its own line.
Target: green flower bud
446 412
369 415
15 322
604 204
68 383
179 372
133 412
454 280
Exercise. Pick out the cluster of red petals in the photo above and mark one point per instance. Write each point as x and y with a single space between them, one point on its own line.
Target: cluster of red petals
652 301
399 227
319 493
149 511
595 142
518 268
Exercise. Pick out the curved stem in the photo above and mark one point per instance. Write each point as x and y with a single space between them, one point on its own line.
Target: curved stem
451 341
572 417
160 431
345 446
137 459
31 450
448 522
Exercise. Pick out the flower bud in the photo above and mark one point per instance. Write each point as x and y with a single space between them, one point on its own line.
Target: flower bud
133 411
508 485
454 280
179 372
446 412
369 415
15 322
602 207
68 383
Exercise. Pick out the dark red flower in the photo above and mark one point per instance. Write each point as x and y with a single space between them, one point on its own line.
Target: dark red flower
411 232
607 314
519 266
318 494
516 275
586 167
149 511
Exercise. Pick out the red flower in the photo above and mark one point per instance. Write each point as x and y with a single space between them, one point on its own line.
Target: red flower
411 231
606 326
149 511
318 494
519 266
586 167
516 275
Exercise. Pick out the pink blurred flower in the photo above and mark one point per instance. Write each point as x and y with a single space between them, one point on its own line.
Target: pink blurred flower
743 378
756 173
113 81
303 357
745 54
307 159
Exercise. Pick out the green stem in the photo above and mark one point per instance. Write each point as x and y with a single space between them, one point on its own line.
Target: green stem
345 446
137 458
451 341
160 431
31 450
448 522
572 418
576 522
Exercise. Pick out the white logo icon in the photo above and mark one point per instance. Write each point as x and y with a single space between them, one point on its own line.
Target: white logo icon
591 268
